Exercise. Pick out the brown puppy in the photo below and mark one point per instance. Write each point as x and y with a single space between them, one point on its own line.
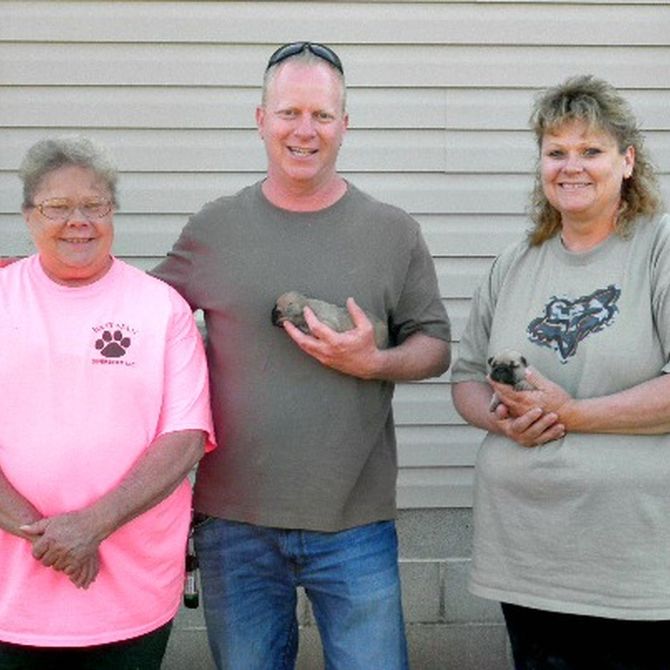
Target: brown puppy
290 306
508 367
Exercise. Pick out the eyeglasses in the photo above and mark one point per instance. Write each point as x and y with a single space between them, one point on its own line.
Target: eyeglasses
62 210
294 48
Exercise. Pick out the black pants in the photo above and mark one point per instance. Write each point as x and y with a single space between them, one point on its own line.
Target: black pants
553 641
140 653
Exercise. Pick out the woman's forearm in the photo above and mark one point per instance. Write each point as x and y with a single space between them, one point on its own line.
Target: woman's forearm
642 409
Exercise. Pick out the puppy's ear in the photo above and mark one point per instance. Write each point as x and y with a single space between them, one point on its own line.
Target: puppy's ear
523 361
490 360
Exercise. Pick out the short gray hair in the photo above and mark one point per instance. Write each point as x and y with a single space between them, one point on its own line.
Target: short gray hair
305 57
53 153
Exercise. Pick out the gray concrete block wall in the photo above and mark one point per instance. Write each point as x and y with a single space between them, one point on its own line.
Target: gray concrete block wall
447 627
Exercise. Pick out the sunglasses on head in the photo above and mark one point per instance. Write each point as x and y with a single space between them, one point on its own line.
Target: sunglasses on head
294 48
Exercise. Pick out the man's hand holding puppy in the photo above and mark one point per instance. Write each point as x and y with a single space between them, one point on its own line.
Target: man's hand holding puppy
354 352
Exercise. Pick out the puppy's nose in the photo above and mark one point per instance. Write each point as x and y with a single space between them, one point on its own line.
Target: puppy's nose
503 375
276 315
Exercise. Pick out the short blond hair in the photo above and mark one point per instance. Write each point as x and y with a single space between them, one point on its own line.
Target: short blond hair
307 58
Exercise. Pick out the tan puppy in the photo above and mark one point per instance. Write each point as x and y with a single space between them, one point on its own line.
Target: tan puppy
508 367
290 306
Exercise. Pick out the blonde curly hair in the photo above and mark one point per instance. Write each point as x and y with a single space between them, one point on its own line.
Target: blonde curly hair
598 104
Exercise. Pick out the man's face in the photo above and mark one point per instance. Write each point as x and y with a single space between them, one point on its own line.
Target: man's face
302 125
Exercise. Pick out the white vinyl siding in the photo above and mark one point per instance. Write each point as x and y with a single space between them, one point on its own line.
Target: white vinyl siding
439 97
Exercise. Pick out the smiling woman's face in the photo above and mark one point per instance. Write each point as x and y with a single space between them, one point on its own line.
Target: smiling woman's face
75 250
582 172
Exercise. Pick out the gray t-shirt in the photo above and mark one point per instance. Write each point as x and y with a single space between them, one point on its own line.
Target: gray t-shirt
582 524
301 446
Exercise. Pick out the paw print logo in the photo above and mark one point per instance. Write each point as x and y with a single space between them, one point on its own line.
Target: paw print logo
112 345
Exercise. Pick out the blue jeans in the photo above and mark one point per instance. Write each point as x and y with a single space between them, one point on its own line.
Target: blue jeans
249 578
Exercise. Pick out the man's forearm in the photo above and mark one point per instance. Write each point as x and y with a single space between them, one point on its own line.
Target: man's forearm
418 357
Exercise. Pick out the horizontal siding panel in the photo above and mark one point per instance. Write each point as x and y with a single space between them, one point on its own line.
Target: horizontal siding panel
492 151
143 235
395 107
470 109
438 446
333 22
514 66
458 310
153 234
430 487
230 150
65 107
241 150
428 403
497 151
509 108
146 235
60 106
416 193
159 151
436 465
453 235
149 193
130 64
240 65
459 276
15 240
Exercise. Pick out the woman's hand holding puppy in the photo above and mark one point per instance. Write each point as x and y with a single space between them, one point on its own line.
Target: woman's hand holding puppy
533 417
531 429
547 396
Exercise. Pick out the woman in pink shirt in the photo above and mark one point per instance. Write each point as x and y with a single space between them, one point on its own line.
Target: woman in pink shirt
105 411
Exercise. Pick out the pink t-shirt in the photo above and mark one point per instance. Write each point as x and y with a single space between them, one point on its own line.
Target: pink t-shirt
90 376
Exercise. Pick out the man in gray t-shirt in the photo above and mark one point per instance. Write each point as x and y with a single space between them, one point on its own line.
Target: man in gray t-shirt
302 489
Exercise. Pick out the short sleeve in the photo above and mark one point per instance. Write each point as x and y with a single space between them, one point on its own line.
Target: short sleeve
420 307
186 403
660 279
